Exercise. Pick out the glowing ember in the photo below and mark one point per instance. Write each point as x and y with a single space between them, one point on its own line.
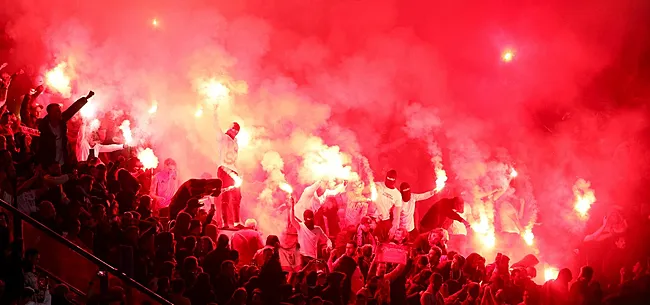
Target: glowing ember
528 236
58 80
243 138
154 22
508 55
214 91
441 179
286 187
550 273
584 197
147 158
126 132
238 180
199 112
373 191
513 173
89 110
154 107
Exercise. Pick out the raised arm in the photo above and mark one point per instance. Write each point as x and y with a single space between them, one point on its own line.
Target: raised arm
76 106
109 148
423 196
216 122
292 217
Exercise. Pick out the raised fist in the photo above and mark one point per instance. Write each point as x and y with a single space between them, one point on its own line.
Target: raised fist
90 94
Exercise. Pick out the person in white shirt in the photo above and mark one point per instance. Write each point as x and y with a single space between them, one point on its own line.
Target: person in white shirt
314 196
226 158
165 183
407 215
509 216
87 143
310 236
388 197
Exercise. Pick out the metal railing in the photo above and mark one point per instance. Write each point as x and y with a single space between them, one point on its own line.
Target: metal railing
95 260
58 280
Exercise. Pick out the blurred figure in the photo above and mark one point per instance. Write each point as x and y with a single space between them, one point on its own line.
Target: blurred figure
164 184
53 142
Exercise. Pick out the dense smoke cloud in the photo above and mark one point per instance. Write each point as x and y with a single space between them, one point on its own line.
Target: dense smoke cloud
396 82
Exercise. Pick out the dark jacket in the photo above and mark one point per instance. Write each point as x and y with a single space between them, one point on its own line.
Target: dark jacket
47 142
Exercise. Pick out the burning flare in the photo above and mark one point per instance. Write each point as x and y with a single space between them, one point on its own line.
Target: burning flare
327 163
584 197
484 233
154 107
513 173
126 133
199 112
58 80
237 179
508 55
373 191
550 273
243 138
441 179
147 158
528 236
154 22
214 91
286 187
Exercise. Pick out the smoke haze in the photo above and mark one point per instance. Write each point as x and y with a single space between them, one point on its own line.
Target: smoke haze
396 82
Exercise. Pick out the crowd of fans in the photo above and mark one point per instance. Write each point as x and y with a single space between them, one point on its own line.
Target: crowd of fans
104 207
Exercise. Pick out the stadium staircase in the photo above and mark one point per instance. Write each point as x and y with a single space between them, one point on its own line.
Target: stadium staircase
63 262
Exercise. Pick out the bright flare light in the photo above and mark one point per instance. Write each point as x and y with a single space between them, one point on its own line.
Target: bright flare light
199 112
508 55
154 107
550 273
147 158
214 91
126 132
58 80
238 180
286 187
528 237
373 191
584 197
327 163
486 236
513 173
441 179
243 138
154 22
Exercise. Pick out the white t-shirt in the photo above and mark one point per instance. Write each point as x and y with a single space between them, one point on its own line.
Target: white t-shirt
407 218
386 199
27 202
509 218
310 239
308 201
227 151
166 185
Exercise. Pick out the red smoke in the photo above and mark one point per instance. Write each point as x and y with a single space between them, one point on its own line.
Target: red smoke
394 81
